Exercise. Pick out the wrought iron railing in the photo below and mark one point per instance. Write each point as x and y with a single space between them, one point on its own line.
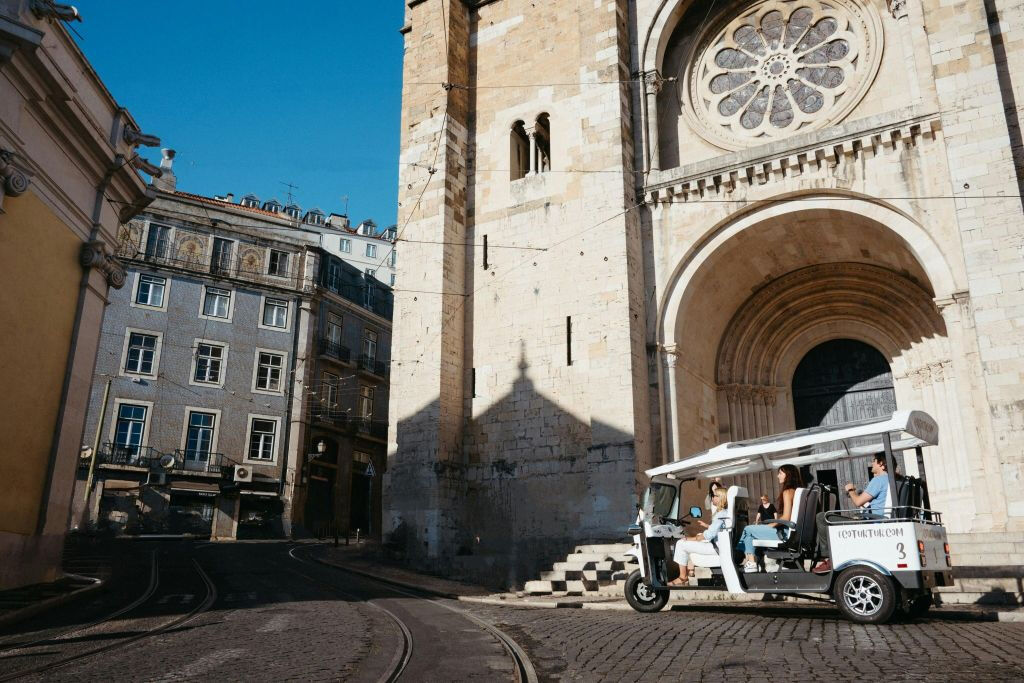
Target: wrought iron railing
372 365
336 416
335 350
131 456
366 425
188 460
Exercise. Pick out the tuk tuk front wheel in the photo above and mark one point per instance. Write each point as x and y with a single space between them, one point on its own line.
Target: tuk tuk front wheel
864 595
642 597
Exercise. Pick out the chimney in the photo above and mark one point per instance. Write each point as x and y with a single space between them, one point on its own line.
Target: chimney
230 197
167 180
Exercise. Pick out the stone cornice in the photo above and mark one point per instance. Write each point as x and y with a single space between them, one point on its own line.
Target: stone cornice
795 156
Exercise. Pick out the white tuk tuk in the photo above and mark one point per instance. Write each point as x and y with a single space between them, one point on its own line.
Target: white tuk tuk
881 565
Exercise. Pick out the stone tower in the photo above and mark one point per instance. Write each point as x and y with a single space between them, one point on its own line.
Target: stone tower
637 228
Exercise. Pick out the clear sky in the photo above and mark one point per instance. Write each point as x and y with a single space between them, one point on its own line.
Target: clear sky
252 94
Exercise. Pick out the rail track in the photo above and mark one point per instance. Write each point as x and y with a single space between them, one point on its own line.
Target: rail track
203 606
524 669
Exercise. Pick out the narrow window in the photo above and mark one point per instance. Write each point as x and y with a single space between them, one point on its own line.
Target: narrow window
472 383
371 251
568 340
157 242
131 423
485 252
519 151
334 328
220 260
278 264
261 439
542 139
217 302
394 257
392 279
334 276
199 439
365 402
346 246
370 345
329 399
275 313
141 354
151 291
209 358
268 371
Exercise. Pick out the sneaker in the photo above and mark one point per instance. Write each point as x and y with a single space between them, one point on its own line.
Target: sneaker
823 567
750 567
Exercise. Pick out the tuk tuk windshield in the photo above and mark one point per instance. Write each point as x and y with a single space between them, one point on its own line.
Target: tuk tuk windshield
661 500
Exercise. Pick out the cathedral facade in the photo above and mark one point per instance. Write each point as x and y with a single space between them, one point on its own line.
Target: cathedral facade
638 228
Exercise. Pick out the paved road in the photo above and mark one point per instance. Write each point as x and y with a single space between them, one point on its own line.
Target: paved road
264 611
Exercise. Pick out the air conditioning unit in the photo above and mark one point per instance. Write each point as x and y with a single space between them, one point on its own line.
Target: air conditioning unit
243 473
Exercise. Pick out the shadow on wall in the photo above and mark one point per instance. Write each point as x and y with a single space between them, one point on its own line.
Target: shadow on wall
530 481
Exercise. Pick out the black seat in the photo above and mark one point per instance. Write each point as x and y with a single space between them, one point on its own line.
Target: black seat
911 499
802 540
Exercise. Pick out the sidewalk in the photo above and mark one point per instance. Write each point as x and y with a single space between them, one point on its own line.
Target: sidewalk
19 604
361 560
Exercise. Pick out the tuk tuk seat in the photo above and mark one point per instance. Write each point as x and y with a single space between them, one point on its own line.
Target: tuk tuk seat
737 510
802 533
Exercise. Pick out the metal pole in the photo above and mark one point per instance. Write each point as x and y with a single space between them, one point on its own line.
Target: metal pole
890 466
96 446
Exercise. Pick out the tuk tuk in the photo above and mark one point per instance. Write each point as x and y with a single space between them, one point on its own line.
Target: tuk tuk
881 565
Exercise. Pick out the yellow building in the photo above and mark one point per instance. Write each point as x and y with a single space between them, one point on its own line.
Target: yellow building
68 179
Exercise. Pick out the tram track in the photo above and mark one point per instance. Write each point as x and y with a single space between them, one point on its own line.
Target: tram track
204 606
523 667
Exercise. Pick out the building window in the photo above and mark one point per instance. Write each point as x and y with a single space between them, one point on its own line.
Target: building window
199 437
275 313
394 257
141 356
151 291
220 260
278 263
365 402
392 279
157 242
261 439
217 303
209 358
519 151
542 144
333 331
334 276
346 246
371 251
329 398
131 425
370 345
268 371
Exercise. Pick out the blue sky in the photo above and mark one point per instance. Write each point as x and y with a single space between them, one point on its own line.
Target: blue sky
252 94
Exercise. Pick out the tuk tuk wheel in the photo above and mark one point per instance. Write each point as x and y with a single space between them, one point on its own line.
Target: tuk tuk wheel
865 596
642 597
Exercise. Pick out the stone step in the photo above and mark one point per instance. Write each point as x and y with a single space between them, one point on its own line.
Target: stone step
594 557
987 537
604 548
598 575
977 598
983 585
573 565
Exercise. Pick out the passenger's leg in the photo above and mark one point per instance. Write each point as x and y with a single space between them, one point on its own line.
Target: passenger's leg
819 520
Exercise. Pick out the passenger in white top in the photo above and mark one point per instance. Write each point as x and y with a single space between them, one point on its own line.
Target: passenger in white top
700 544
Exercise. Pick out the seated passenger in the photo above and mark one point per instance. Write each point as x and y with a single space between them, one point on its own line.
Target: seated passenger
874 496
700 544
709 500
790 481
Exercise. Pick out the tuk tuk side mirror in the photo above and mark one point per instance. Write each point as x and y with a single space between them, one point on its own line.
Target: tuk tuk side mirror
695 512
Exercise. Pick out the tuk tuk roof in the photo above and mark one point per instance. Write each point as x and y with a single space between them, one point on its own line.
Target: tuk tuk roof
906 429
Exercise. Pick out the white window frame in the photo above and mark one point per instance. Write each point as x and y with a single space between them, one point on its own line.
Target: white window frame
373 395
112 429
371 251
345 245
128 331
231 305
248 439
288 314
195 358
256 371
288 258
135 292
216 427
341 327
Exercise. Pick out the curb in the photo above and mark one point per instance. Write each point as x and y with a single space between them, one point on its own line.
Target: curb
50 603
393 582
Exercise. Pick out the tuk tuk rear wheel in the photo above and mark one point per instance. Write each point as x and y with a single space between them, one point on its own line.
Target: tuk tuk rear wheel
642 597
865 596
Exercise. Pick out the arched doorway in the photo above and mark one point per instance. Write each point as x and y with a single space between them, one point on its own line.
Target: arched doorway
842 380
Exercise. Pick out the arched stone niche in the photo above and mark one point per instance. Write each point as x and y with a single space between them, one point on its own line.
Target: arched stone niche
752 298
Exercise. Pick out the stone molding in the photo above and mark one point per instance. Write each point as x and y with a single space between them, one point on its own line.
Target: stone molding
797 161
13 181
94 255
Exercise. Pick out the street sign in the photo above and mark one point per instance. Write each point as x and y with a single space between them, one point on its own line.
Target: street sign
370 472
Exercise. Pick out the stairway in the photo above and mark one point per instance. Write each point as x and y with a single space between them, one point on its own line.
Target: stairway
589 570
988 569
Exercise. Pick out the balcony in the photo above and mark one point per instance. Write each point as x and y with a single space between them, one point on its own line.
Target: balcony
371 365
147 457
335 416
335 350
126 456
368 427
200 462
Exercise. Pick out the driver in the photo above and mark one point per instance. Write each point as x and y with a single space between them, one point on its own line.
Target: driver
874 496
701 543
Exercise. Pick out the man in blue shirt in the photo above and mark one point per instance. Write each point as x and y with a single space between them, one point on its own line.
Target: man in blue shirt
874 496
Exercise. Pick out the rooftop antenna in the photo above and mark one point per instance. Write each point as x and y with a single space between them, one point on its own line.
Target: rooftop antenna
344 198
290 188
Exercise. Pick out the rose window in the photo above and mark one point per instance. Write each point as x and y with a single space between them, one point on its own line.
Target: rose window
781 67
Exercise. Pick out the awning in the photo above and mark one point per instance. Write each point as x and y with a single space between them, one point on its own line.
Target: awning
197 488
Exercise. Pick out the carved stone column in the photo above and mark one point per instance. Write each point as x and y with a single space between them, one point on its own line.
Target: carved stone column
652 87
532 133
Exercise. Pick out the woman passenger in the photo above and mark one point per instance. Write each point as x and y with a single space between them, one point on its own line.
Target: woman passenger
700 544
789 480
708 501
